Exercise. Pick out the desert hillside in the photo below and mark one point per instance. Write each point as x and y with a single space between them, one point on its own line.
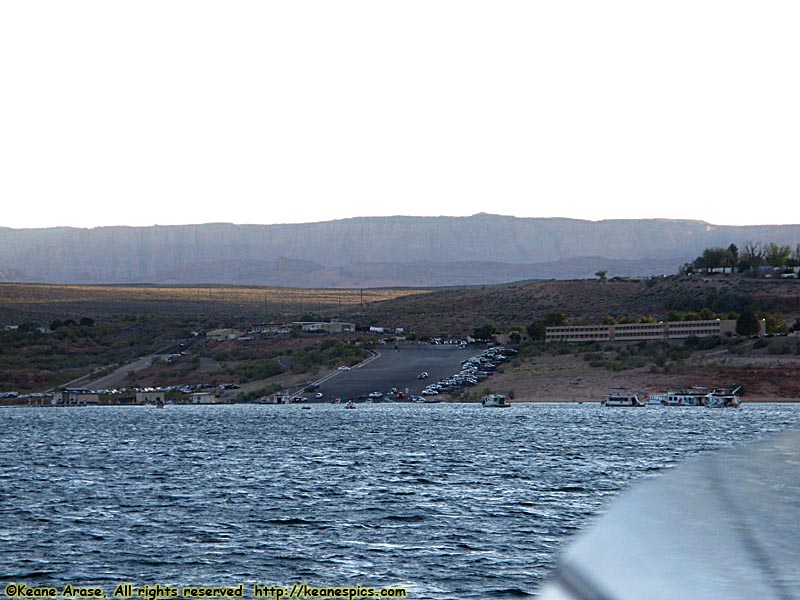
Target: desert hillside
460 310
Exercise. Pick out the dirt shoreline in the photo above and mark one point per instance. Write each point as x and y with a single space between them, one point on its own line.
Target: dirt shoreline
570 378
744 399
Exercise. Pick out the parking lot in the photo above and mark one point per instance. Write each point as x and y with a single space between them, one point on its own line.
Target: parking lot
396 369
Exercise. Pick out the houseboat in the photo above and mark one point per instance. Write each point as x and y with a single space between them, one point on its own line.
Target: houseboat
622 397
679 397
697 396
495 401
723 398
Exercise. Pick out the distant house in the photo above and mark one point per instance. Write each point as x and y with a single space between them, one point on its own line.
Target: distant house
220 335
76 397
267 328
325 326
279 397
151 397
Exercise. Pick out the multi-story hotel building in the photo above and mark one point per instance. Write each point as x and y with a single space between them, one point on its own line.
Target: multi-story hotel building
665 330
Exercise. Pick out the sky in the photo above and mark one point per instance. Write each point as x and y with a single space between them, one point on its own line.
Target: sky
170 112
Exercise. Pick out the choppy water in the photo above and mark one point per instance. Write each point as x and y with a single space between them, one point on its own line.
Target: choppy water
449 501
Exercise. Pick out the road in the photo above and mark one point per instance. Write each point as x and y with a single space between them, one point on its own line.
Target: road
115 379
395 368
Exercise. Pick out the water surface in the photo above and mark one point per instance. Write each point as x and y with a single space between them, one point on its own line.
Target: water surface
447 500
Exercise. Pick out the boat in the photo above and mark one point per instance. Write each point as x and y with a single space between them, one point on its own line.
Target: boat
697 396
495 401
655 400
350 404
723 398
623 397
679 397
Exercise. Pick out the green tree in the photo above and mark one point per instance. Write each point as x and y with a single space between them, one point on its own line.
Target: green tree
538 329
713 258
775 323
706 315
794 261
485 331
601 275
752 257
747 324
776 256
733 256
556 318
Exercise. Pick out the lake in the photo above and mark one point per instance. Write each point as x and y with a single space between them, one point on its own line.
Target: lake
444 500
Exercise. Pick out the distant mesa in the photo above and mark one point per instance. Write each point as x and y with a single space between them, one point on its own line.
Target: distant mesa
368 251
12 276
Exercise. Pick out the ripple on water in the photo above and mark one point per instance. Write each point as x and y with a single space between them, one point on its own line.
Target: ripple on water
446 500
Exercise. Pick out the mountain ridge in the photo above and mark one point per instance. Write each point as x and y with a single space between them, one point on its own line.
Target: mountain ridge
369 251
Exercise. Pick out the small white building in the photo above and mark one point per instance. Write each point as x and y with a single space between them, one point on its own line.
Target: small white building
204 398
280 397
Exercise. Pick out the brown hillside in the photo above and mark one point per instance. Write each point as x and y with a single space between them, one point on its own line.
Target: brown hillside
459 311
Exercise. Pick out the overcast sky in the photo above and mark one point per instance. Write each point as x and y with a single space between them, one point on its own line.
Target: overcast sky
163 112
